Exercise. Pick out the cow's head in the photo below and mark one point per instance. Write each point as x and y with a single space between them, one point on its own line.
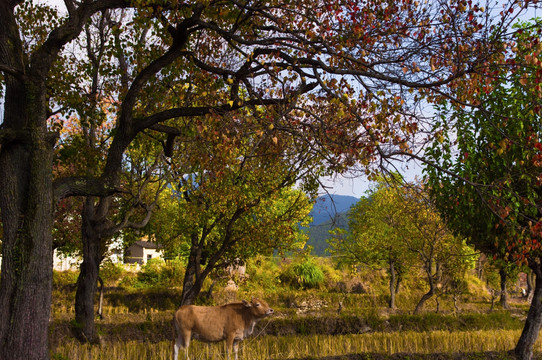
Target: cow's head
258 308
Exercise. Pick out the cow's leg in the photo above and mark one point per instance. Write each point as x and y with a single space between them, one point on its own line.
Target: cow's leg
185 342
179 343
182 340
175 344
229 345
236 347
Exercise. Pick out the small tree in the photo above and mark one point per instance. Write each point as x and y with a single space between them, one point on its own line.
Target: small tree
437 249
376 236
234 198
397 227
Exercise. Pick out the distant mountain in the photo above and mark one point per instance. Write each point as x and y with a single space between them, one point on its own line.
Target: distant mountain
328 206
329 212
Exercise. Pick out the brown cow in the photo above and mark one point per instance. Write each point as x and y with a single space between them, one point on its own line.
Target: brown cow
231 322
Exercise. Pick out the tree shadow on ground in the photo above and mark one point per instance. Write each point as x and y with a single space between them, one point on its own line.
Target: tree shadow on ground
490 355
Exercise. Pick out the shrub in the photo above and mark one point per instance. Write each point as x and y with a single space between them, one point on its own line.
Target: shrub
111 272
331 275
64 278
158 273
304 274
261 276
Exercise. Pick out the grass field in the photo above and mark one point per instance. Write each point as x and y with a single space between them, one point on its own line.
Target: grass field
293 347
137 325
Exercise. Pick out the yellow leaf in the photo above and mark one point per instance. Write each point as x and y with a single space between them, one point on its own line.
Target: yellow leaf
275 140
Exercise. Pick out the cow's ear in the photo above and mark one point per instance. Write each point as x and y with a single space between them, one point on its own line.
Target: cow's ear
246 303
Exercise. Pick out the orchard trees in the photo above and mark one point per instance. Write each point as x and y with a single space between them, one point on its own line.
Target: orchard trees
443 256
487 174
397 227
346 78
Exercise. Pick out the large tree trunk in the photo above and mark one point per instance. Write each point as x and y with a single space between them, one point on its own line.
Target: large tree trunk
392 284
524 347
193 281
26 207
26 204
27 266
88 276
191 289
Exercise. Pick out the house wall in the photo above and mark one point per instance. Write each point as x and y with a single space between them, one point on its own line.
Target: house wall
63 263
140 255
134 254
151 254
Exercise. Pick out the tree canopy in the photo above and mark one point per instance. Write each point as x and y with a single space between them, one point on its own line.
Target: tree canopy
487 182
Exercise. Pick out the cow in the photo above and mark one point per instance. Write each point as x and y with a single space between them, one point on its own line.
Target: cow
231 322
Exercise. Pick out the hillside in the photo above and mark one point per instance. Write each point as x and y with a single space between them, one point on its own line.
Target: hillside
328 206
329 212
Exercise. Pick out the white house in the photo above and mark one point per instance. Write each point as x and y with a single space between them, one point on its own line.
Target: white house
141 251
62 262
138 253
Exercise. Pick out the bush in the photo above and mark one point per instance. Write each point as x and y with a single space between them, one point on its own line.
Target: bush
304 274
64 278
157 273
261 277
111 272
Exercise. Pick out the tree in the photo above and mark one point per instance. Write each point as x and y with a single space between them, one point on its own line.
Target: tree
397 227
487 182
234 199
437 249
376 236
395 51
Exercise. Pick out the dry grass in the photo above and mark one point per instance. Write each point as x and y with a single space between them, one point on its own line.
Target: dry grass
284 347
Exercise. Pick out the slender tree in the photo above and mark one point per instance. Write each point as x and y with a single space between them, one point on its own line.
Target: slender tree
234 199
376 236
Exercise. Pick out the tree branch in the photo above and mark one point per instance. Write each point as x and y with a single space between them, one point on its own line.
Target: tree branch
6 69
44 56
82 186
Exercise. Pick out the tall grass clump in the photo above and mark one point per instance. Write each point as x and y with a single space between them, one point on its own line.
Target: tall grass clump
305 274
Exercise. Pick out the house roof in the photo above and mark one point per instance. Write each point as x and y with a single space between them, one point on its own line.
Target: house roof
147 244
